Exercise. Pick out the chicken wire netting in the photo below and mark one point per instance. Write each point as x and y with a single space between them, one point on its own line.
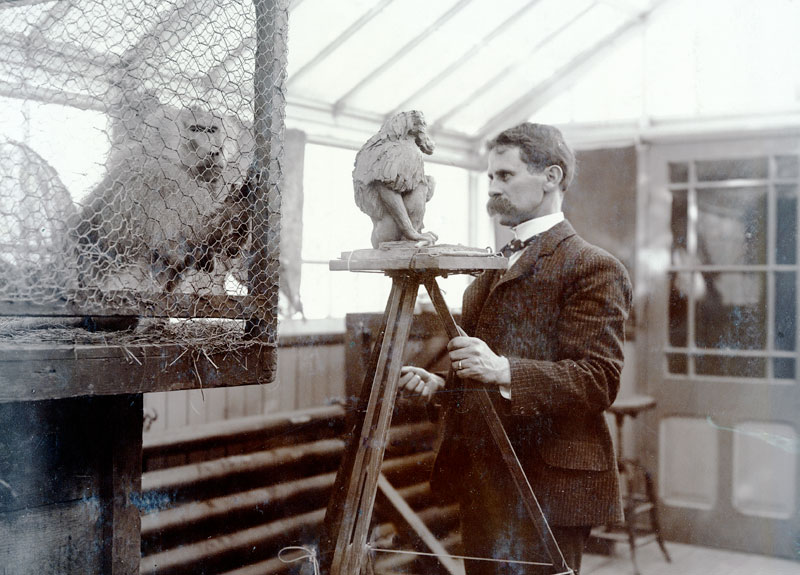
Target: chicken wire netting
184 218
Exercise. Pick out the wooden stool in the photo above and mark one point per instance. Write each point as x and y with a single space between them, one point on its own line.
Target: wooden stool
636 502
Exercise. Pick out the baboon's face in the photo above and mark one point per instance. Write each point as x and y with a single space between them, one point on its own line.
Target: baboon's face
419 131
201 149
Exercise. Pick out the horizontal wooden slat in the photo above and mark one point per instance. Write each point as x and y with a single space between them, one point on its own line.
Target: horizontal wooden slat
76 304
262 462
56 372
236 546
187 439
258 540
236 512
259 500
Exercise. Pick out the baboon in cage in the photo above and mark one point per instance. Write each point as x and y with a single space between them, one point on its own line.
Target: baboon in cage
184 220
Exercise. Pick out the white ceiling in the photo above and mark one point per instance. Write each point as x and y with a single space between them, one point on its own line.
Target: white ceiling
472 66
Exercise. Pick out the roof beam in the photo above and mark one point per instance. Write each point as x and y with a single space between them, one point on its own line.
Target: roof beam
464 58
338 41
519 62
410 45
351 128
524 106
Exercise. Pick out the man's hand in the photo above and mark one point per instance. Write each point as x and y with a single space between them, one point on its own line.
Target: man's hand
473 359
418 381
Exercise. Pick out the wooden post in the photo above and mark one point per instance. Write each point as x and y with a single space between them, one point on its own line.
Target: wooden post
71 475
269 104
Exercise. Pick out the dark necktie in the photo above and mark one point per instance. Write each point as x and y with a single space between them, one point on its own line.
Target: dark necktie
515 245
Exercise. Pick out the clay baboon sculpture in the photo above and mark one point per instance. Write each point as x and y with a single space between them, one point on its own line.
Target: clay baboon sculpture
390 183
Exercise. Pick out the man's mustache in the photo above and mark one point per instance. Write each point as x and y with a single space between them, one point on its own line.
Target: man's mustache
499 205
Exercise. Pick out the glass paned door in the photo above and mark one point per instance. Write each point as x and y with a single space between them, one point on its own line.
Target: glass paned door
719 252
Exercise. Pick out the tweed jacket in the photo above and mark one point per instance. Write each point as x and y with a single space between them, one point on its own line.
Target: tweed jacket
558 315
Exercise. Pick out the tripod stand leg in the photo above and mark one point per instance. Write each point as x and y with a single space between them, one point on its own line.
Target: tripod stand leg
501 439
362 473
353 425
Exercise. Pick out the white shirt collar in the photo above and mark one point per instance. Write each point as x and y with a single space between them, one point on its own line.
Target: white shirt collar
532 228
537 226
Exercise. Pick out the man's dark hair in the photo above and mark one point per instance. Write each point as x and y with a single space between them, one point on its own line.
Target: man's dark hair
539 146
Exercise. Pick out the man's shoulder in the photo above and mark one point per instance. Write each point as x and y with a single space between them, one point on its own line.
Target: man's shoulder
577 250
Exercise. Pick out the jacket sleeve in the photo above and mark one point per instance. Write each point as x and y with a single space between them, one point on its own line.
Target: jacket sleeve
590 333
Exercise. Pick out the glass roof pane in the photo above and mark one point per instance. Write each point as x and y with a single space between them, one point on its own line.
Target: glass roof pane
316 23
370 47
612 90
670 68
515 44
432 56
584 33
632 6
764 74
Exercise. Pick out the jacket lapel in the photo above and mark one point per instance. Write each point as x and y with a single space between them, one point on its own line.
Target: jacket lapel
544 245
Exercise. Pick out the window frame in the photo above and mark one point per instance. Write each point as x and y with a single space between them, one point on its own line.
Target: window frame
770 268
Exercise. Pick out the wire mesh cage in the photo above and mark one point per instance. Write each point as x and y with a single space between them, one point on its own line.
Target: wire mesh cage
183 223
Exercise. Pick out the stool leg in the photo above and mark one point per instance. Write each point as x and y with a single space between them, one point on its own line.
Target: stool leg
630 515
654 522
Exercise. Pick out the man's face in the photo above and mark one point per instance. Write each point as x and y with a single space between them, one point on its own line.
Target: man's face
515 193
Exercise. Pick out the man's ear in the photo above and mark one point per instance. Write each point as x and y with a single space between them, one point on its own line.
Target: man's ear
554 176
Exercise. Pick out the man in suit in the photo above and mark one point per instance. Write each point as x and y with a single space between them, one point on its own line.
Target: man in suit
546 339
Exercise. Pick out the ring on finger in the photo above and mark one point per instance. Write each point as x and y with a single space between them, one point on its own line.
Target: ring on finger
459 365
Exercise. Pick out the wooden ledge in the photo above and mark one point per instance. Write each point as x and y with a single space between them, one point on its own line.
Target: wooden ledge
396 256
32 372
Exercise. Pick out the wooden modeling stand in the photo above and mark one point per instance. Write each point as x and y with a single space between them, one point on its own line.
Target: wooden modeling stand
344 546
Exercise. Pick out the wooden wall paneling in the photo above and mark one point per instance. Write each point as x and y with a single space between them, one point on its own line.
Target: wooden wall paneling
271 397
174 417
234 402
287 377
311 372
215 404
253 400
157 403
336 374
305 374
176 409
312 376
196 406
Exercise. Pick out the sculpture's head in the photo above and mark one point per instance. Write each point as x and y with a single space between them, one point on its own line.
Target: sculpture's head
410 125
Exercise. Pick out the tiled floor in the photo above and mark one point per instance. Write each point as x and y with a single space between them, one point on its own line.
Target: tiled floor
687 560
